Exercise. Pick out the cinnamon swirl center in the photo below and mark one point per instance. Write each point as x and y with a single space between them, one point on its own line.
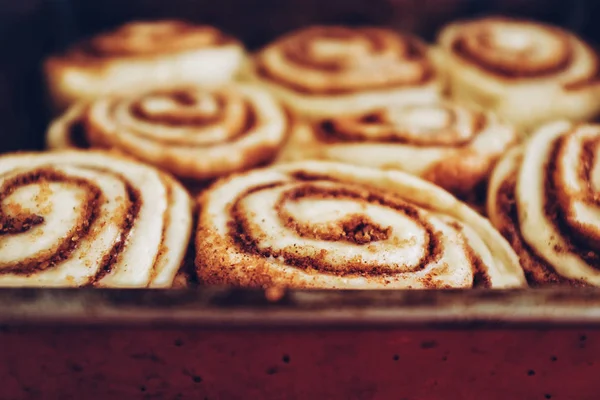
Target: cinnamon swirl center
418 125
337 60
187 117
345 230
514 49
178 118
48 213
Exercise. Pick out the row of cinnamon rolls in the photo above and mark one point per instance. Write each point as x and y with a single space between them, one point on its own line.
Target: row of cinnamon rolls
526 72
335 162
101 218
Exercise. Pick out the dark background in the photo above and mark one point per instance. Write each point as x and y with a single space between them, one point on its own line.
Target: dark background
31 29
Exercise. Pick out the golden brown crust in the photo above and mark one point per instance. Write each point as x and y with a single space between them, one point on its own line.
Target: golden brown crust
464 174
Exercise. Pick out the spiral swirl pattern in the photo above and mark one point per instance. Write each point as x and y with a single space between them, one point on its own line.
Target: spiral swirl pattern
329 225
193 133
329 69
544 199
78 218
515 66
513 49
143 56
446 143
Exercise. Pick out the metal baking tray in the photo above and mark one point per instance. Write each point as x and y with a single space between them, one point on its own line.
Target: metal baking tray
223 343
219 343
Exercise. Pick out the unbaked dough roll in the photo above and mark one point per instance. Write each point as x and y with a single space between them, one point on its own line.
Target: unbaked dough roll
446 143
141 56
528 72
333 225
194 133
327 70
89 218
544 198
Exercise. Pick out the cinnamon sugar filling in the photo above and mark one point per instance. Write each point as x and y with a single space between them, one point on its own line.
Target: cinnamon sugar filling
351 130
162 248
112 258
537 271
515 69
475 45
353 228
248 120
184 99
20 224
557 204
80 233
297 51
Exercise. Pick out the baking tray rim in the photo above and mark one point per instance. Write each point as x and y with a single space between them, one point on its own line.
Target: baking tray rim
223 307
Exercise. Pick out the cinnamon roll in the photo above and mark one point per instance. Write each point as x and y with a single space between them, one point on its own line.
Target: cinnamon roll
142 56
528 72
543 198
89 218
193 133
327 70
317 224
443 142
